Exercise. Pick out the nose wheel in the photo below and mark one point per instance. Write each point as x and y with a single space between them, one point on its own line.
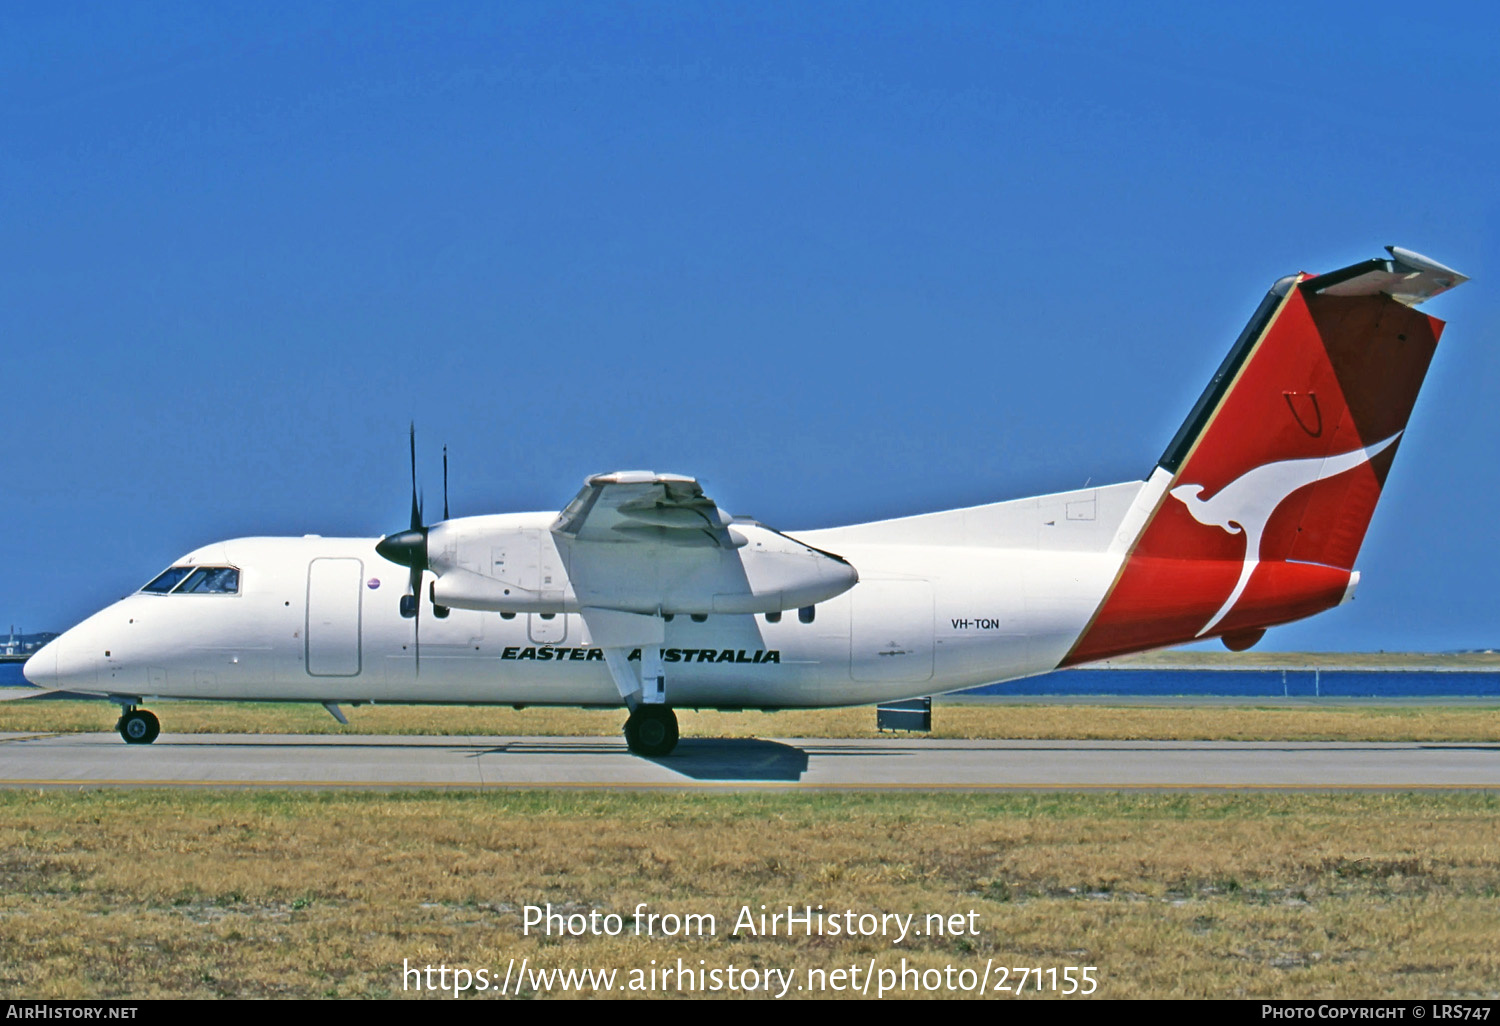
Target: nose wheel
138 727
651 730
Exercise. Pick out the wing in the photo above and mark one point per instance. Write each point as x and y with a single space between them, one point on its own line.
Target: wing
643 506
632 542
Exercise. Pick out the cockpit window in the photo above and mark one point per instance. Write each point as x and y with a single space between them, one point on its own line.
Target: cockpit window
202 580
168 580
211 580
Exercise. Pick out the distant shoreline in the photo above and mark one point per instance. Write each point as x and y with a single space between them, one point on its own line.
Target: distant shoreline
1395 661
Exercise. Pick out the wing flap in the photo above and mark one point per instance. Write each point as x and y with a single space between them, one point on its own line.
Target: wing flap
636 506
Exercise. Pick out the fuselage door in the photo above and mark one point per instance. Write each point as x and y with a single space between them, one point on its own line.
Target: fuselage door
890 637
334 592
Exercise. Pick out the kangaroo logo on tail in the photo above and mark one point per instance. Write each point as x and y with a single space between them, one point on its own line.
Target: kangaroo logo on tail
1247 503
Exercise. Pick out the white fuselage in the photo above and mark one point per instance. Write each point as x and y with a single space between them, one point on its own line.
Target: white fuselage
944 601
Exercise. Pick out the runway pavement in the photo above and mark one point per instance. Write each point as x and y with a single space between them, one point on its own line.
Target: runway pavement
374 762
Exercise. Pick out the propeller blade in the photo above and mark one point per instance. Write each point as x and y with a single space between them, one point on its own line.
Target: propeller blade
416 626
409 548
445 482
414 588
416 508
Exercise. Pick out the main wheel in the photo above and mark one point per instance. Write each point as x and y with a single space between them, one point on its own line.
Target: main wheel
652 730
139 727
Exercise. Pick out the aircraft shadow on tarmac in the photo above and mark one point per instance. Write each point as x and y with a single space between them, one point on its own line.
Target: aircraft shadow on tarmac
727 759
737 758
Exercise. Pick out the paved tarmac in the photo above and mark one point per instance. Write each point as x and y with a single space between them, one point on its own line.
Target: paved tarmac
376 762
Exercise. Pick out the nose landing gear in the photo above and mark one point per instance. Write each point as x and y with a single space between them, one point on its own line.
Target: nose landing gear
138 726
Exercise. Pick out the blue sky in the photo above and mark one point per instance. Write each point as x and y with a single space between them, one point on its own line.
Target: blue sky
838 261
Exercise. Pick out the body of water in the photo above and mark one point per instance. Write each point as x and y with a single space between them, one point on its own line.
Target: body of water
1257 683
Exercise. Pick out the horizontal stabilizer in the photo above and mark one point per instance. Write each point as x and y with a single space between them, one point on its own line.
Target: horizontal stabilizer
1406 277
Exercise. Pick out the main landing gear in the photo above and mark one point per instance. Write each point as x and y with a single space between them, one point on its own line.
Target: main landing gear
635 665
140 727
651 730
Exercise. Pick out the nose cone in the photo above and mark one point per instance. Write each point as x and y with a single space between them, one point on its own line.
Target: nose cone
66 661
41 668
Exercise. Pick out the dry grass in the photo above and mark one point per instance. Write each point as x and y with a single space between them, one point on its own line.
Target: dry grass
154 893
1043 721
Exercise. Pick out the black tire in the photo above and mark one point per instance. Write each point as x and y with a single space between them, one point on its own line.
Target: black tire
652 731
139 727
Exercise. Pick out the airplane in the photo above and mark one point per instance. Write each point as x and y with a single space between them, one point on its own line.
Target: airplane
643 593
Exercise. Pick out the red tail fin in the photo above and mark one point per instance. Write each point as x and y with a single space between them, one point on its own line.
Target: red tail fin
1263 498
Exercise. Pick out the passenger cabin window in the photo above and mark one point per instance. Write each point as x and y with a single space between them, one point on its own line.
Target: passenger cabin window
773 617
168 579
806 613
